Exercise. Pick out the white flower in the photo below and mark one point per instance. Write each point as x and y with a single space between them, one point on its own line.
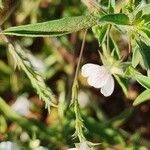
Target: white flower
84 146
7 145
99 77
81 146
21 106
24 137
41 148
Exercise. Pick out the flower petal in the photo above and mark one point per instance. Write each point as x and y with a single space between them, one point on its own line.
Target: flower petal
89 69
108 88
21 106
98 80
84 146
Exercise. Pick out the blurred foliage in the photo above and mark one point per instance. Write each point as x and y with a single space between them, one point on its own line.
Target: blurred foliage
112 122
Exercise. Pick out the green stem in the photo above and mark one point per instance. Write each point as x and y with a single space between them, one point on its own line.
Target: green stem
78 121
80 57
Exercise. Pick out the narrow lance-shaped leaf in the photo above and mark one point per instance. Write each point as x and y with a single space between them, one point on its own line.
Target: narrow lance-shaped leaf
117 19
53 28
144 35
146 18
143 80
145 8
102 34
144 96
111 6
136 57
145 52
116 51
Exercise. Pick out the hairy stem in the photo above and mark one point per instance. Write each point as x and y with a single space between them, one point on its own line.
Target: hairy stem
79 126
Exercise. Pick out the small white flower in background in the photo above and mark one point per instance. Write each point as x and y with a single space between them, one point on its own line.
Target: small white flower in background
99 77
37 63
83 99
41 148
35 145
7 145
81 146
24 137
21 106
84 146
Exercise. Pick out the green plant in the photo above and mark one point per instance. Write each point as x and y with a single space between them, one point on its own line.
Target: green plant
131 20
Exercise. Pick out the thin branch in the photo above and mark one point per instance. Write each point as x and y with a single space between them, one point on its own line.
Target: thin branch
80 56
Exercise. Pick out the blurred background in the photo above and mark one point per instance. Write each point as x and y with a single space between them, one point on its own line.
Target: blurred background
113 122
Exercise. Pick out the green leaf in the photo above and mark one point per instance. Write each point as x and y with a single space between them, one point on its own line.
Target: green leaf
4 69
111 6
139 7
102 34
146 31
143 80
135 139
145 52
145 9
121 118
144 96
146 18
143 36
118 19
123 83
53 28
105 132
136 57
116 51
138 18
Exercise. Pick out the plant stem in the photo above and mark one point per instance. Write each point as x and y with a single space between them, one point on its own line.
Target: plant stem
78 118
80 57
129 44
